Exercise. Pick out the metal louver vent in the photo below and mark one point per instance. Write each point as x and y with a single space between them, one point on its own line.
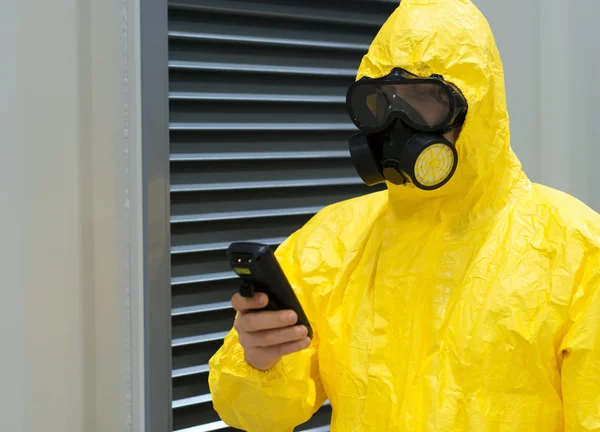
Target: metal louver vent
258 136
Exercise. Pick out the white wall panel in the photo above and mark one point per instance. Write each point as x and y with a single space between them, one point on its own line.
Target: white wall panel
550 54
69 183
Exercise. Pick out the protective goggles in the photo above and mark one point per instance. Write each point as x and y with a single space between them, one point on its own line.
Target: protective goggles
426 104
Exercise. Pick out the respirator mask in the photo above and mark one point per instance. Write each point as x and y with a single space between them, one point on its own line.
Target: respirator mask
402 119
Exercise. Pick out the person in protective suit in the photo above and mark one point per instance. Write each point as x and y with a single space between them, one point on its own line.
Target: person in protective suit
462 298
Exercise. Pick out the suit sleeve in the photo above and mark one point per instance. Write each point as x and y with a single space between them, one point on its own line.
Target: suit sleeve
581 356
285 396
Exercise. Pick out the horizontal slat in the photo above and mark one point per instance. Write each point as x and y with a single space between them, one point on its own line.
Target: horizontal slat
197 268
262 171
250 127
194 415
216 236
194 370
199 261
208 112
232 142
209 427
239 204
312 35
243 215
209 322
192 340
259 156
221 246
283 11
253 56
204 278
196 400
200 308
266 184
249 97
187 388
291 43
216 292
190 356
262 69
317 429
220 84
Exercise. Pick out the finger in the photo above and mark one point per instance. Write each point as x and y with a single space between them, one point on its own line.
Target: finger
280 336
266 320
286 348
242 304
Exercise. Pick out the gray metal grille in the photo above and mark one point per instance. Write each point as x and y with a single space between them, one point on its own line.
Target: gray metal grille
258 136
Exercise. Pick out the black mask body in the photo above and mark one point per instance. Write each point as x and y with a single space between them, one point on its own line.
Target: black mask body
428 160
402 119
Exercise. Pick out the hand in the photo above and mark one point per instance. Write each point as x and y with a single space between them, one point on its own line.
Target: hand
266 336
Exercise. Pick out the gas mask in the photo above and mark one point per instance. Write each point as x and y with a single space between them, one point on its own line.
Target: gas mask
402 119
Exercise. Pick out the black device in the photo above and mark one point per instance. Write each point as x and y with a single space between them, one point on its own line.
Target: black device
259 270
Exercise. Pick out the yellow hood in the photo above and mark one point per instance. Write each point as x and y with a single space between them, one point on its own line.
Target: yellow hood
452 38
473 308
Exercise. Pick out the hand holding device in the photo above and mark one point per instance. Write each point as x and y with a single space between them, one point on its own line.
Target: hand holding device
267 307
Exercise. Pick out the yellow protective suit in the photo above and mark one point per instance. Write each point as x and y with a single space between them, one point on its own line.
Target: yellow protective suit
475 307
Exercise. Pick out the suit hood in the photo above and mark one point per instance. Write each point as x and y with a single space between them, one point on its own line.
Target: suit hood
453 38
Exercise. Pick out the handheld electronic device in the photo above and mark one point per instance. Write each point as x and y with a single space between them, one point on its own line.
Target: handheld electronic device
259 270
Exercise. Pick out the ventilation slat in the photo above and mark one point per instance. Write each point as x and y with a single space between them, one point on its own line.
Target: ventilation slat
261 69
234 142
243 215
193 176
259 156
270 113
239 203
214 237
193 340
221 246
278 11
240 97
218 27
289 43
201 309
317 429
195 370
232 82
204 278
188 402
250 127
210 427
265 185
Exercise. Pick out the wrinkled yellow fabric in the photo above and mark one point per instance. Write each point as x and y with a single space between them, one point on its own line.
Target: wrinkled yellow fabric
475 307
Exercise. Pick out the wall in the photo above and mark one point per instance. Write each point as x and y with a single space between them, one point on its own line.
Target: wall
552 68
69 179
